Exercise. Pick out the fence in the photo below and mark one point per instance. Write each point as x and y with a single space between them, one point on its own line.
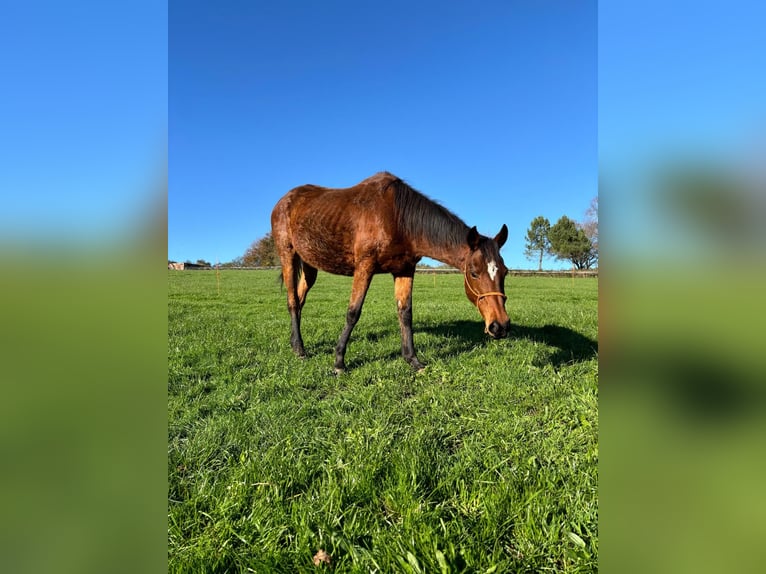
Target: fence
519 272
447 270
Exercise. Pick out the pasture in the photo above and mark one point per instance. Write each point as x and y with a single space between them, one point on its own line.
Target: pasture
486 461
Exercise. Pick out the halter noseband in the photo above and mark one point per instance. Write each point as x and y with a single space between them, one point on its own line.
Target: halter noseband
480 296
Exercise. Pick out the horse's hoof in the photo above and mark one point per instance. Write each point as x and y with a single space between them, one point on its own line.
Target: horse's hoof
338 371
417 366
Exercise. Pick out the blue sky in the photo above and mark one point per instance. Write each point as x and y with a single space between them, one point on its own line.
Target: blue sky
83 119
680 83
487 107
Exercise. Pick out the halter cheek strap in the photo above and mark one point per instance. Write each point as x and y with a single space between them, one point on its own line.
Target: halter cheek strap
480 296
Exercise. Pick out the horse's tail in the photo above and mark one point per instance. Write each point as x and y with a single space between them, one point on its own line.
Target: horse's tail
299 263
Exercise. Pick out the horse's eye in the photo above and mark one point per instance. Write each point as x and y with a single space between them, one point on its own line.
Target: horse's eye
474 275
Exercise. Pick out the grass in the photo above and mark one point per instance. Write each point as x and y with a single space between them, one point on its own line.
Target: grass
484 462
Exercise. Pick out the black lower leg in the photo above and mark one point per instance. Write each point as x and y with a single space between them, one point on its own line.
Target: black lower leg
296 341
408 345
352 316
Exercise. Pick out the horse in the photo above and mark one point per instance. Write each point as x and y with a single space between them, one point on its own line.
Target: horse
381 225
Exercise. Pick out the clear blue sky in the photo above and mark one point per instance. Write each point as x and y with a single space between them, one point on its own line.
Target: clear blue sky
679 83
83 118
466 101
488 107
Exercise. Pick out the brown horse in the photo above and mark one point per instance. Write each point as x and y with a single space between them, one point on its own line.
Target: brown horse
381 225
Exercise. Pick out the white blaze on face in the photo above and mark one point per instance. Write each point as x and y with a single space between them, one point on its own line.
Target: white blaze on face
492 269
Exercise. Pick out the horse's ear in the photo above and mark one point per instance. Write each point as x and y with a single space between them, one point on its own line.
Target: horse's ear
502 236
473 238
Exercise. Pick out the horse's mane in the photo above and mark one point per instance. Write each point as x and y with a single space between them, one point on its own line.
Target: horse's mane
422 217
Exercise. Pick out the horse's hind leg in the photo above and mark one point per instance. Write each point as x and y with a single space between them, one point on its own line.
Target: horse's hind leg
306 281
290 270
359 286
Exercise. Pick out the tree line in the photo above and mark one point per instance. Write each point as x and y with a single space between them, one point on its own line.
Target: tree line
261 253
566 240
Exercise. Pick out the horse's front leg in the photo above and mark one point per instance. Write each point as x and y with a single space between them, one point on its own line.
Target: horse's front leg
403 292
359 286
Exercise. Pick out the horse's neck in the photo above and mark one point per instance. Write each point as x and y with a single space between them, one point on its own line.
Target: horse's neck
442 236
454 255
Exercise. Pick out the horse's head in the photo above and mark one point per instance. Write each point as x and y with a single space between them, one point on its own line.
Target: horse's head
484 274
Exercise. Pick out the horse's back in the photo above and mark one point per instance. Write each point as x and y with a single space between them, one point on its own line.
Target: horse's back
334 228
370 191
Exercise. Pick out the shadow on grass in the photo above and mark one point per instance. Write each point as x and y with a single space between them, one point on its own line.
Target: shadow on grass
571 346
462 336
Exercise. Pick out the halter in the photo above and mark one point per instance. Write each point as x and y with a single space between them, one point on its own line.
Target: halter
480 296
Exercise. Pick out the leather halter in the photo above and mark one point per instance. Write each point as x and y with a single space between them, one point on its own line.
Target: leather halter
480 296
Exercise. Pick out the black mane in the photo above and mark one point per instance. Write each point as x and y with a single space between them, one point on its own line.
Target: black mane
420 216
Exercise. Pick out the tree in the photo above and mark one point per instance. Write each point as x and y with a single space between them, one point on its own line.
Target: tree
538 243
262 253
569 242
590 225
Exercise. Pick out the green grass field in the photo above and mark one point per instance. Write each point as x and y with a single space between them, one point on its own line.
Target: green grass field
486 461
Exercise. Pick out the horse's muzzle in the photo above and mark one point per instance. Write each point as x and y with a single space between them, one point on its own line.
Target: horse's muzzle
498 330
